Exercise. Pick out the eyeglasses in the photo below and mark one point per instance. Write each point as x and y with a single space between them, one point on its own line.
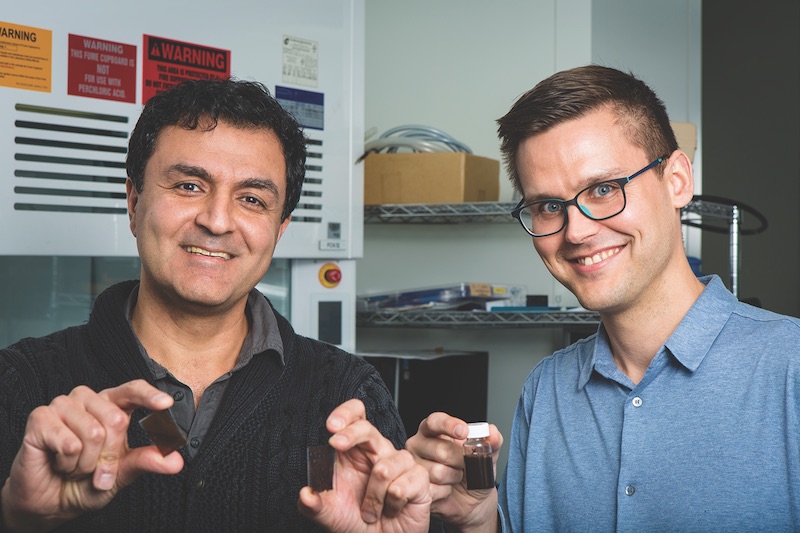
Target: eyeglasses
599 201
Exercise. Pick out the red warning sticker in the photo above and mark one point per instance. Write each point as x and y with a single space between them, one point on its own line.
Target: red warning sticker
101 69
167 62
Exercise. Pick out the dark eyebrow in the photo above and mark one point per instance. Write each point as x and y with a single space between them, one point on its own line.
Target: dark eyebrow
588 182
264 184
189 170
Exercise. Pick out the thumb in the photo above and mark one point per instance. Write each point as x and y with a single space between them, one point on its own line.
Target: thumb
141 460
105 473
309 503
322 510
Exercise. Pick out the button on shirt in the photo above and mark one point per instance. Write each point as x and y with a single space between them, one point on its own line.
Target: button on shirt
263 340
709 440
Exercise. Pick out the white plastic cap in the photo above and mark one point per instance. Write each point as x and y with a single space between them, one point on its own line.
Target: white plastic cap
478 430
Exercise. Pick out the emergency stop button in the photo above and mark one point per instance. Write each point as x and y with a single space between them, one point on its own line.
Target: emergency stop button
330 275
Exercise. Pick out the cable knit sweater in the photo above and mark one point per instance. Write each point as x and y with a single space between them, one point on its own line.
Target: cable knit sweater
249 471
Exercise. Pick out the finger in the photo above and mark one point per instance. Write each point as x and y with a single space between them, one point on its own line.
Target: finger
114 414
345 414
430 447
379 478
412 487
378 499
495 439
114 445
363 434
442 473
147 459
138 393
439 424
79 412
47 432
309 503
441 492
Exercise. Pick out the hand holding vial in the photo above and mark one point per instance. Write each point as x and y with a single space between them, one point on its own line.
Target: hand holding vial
463 496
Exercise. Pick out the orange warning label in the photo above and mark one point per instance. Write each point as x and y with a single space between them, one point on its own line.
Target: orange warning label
26 57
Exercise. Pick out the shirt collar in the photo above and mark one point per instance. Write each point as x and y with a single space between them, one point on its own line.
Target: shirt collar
689 343
263 336
692 339
596 356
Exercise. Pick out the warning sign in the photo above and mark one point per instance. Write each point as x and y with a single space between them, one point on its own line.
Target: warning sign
167 63
26 57
101 69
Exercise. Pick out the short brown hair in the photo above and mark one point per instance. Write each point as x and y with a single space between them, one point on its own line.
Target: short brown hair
570 94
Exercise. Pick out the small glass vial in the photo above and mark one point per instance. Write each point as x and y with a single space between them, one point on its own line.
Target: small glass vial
478 457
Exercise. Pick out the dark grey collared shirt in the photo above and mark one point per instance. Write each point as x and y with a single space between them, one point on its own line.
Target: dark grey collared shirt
262 339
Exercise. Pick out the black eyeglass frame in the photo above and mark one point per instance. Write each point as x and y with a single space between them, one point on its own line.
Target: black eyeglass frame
621 182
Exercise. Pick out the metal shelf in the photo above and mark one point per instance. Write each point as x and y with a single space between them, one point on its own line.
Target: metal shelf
728 213
711 210
494 212
476 319
439 213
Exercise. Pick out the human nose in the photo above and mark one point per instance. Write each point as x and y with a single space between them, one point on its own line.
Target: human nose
216 214
579 227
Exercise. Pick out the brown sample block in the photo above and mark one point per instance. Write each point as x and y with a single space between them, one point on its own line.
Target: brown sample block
162 429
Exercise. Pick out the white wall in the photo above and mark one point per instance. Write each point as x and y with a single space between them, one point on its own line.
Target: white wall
458 65
454 65
660 41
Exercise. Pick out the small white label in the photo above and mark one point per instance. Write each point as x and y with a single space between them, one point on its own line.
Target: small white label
300 61
333 245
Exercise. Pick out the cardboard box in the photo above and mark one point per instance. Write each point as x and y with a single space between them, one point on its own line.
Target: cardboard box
686 135
430 178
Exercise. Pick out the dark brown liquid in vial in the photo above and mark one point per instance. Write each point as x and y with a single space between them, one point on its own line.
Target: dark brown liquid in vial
480 474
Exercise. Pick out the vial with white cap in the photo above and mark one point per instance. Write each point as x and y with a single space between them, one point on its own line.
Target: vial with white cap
478 457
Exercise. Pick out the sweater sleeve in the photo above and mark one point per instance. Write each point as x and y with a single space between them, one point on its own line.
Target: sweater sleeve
381 409
17 399
17 389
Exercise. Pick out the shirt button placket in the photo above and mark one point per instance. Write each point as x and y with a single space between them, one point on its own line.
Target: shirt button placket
630 489
633 426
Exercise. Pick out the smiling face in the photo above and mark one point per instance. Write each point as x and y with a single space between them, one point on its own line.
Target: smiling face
625 261
209 215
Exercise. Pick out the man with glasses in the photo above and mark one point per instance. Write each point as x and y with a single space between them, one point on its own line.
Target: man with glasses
682 413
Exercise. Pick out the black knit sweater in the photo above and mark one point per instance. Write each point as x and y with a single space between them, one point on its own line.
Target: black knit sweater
249 471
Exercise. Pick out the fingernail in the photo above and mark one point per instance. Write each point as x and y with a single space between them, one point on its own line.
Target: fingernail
369 515
461 432
105 482
160 397
336 423
341 439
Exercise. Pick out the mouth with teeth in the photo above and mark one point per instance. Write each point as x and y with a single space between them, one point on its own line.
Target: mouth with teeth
596 258
201 251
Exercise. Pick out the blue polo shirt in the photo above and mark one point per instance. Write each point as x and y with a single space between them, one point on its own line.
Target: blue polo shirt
708 441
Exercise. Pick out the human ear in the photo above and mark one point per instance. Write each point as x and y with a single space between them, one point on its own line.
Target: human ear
680 178
133 198
283 227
